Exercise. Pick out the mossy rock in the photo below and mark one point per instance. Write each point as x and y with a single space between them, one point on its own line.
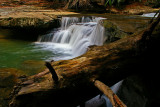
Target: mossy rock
112 32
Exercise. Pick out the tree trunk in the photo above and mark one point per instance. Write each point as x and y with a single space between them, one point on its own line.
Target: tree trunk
109 63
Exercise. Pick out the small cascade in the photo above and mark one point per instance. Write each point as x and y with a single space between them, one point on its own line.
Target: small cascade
78 33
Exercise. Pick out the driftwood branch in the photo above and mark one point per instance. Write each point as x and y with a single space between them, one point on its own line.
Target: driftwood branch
114 99
53 72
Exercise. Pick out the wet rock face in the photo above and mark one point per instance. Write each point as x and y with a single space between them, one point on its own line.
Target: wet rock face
112 32
27 20
133 92
140 91
27 28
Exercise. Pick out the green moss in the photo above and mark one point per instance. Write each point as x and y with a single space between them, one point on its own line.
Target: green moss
112 32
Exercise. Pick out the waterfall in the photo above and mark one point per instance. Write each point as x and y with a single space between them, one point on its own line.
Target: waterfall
77 33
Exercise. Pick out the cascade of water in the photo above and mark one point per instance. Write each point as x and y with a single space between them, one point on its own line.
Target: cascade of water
79 33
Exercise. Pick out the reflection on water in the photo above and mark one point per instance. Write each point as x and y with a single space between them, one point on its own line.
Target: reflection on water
26 56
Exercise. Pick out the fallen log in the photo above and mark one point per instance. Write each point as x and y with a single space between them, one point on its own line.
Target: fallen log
109 63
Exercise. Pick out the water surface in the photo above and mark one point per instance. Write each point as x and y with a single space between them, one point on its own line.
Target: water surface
24 55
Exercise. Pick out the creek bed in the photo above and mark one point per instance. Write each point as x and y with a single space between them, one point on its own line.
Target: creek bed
28 57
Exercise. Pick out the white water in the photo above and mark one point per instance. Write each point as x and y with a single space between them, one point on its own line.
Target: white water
74 36
150 15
